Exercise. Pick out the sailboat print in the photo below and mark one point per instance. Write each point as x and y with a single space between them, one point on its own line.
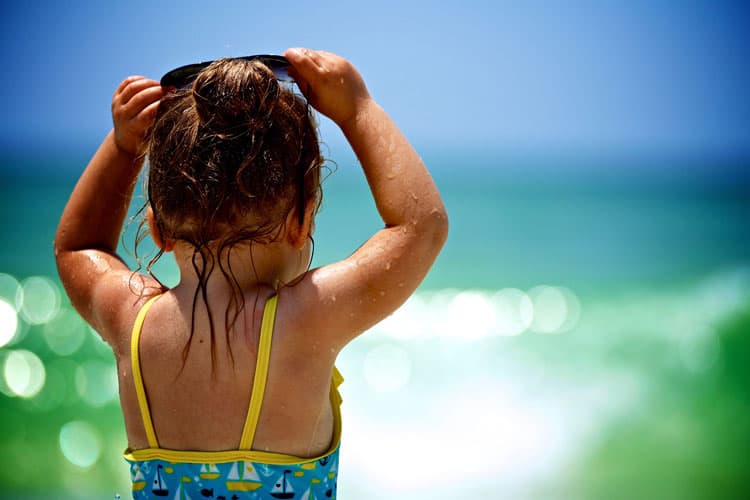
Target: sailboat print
282 488
139 482
242 477
266 470
308 495
181 494
209 471
159 487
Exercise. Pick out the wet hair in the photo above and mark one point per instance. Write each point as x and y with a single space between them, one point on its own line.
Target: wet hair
229 157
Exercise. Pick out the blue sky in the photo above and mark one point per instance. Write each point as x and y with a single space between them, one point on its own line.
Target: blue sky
592 76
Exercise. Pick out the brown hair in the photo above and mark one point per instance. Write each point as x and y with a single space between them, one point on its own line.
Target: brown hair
229 157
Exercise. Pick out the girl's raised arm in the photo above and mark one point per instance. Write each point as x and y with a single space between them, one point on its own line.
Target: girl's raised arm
354 294
96 279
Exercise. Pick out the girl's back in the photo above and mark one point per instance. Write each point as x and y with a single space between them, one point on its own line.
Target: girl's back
201 402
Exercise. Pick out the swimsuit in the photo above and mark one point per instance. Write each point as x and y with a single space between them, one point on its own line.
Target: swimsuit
235 474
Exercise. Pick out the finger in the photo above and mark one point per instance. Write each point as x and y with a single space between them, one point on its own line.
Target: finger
134 87
125 83
318 58
305 61
294 56
146 117
324 59
141 100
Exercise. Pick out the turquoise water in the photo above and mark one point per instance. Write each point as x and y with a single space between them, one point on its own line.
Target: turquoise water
583 334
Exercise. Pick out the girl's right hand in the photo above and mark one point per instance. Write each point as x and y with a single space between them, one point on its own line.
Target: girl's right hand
331 84
134 106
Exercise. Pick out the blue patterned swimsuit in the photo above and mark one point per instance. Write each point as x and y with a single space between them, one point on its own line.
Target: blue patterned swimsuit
237 474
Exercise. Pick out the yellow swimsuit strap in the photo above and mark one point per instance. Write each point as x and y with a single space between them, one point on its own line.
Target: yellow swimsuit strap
259 380
140 391
261 373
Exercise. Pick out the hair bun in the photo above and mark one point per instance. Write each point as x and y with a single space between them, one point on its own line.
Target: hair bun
234 93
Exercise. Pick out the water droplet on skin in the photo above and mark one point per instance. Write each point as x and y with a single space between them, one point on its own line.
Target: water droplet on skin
390 177
387 266
414 196
333 298
382 293
401 285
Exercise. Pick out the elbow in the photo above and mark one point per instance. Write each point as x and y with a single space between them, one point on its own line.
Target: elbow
425 234
60 254
56 249
59 247
437 227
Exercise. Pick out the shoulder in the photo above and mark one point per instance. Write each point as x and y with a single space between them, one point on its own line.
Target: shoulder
104 291
116 302
325 309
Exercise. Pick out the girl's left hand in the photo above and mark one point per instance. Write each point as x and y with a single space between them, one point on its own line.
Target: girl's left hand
134 106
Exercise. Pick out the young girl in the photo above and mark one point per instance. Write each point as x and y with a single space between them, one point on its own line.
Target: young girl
227 381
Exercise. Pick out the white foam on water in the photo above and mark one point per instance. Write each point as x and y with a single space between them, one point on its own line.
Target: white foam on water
474 315
387 368
514 311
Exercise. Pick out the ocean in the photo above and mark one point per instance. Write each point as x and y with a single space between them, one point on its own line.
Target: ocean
584 334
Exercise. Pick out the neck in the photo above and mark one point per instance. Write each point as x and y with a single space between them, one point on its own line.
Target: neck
251 265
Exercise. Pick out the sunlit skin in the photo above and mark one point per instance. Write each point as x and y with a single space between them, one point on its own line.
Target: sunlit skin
318 314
